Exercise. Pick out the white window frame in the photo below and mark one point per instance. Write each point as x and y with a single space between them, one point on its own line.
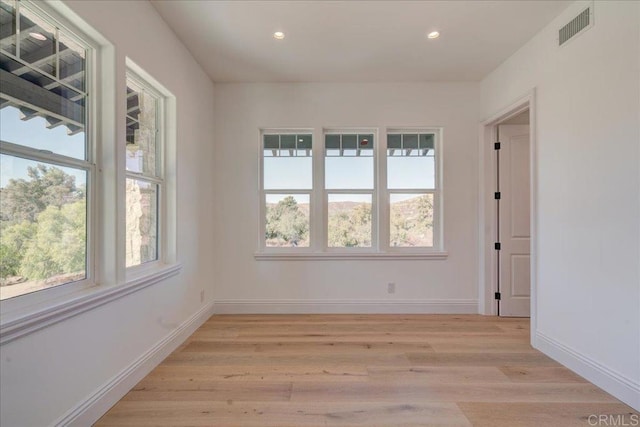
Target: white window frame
155 179
386 193
262 244
380 244
89 164
374 248
165 164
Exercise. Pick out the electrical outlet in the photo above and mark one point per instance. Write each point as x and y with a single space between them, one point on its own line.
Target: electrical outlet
391 288
202 295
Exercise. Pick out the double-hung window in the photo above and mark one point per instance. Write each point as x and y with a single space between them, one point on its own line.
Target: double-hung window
412 188
349 182
47 170
144 171
287 183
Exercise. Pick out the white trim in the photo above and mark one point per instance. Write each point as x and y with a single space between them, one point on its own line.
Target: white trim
487 269
88 299
286 306
625 389
350 256
89 410
136 76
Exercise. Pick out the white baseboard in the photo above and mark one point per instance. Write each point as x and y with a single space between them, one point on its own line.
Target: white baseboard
94 406
609 380
273 306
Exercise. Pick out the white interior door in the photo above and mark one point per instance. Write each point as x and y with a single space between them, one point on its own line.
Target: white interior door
514 221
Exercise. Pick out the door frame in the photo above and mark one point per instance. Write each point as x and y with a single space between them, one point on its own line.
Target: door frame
487 262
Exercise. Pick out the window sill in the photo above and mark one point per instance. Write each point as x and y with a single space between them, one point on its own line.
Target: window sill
357 256
84 300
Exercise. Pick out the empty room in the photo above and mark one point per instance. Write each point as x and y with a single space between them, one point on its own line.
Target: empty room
319 213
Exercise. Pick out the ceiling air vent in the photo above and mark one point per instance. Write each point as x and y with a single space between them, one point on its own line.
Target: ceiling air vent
577 25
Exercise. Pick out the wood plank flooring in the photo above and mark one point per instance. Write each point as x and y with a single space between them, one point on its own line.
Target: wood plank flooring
361 370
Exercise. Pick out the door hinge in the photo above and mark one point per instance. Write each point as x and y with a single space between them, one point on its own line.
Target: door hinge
496 195
497 246
496 145
497 296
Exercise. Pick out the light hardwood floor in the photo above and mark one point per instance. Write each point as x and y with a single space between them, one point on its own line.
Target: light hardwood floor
361 370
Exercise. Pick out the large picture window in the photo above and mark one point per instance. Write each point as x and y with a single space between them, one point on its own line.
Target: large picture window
46 153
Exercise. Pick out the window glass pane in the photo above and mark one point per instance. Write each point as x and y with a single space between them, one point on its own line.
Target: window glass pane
72 62
38 110
410 141
287 162
348 162
41 133
287 220
411 217
394 142
304 142
349 173
410 161
365 145
272 142
410 172
288 142
332 145
142 222
349 142
141 130
8 20
349 220
37 42
43 225
427 142
293 173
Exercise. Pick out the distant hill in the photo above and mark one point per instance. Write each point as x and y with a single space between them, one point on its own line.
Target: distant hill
347 227
408 208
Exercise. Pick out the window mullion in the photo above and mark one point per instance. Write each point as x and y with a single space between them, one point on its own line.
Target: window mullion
144 177
318 213
383 193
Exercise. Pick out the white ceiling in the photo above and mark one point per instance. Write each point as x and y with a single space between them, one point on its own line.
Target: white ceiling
354 41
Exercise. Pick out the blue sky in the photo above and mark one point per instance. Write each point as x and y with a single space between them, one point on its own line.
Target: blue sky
294 173
34 133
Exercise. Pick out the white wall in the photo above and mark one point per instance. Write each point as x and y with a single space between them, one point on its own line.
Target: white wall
49 372
588 190
244 284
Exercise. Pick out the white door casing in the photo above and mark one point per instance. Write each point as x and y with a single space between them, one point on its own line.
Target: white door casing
514 221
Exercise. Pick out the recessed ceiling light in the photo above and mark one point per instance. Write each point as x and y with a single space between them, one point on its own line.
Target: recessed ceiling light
278 35
38 36
433 35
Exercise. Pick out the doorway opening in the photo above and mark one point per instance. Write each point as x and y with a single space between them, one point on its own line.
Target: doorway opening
507 264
